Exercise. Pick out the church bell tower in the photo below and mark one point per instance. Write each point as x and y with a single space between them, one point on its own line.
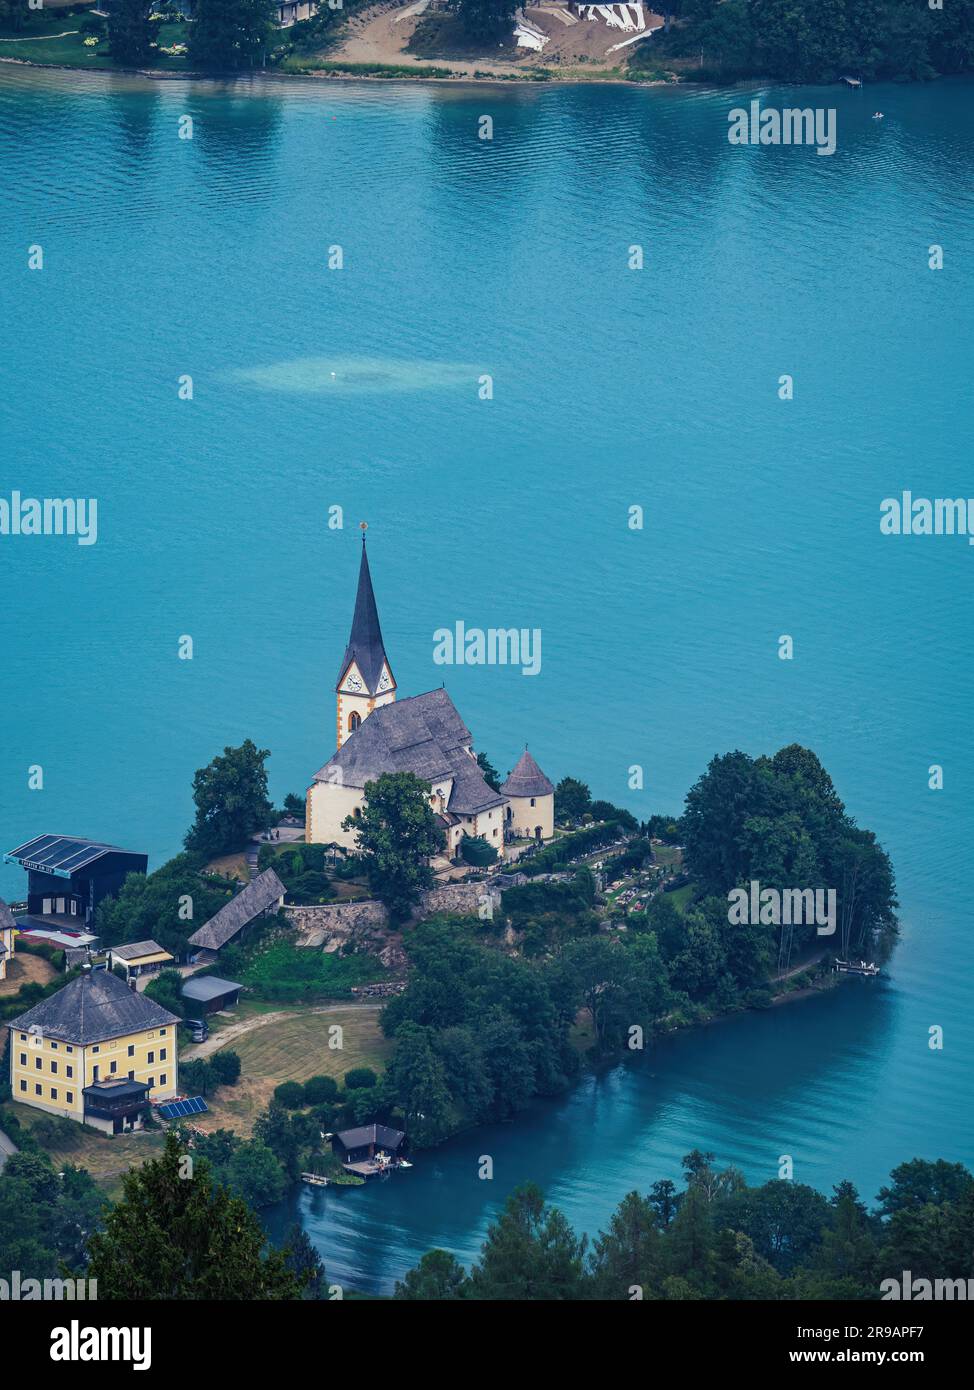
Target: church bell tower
365 679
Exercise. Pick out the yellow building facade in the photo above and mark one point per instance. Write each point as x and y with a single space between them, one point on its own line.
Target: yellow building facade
94 1052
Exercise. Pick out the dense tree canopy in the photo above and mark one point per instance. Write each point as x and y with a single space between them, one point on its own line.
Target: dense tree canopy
175 1235
717 1238
780 822
397 836
820 40
231 800
166 906
231 34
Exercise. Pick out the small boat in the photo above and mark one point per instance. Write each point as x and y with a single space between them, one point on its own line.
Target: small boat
404 1163
877 115
315 1179
856 967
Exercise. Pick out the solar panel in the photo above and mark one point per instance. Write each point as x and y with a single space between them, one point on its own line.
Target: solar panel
176 1109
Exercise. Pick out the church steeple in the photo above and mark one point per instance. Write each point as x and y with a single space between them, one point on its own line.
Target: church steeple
365 677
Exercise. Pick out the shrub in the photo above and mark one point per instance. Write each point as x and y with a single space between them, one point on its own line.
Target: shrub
360 1078
198 1077
226 1068
290 1094
319 1090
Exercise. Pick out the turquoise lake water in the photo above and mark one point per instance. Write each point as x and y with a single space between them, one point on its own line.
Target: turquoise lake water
612 388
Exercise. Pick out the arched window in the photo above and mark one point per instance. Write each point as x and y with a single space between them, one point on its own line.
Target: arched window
357 813
354 720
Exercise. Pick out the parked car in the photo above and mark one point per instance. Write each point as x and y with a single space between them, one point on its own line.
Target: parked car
199 1029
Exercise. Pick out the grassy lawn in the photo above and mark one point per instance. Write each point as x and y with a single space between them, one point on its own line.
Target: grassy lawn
107 1159
295 974
681 897
292 1049
36 43
233 864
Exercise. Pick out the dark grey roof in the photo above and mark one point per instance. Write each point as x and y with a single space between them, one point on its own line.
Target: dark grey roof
115 1090
64 854
6 917
94 1007
365 646
209 987
370 1134
527 779
135 949
423 734
256 898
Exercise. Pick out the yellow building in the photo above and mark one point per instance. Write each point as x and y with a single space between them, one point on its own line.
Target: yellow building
94 1052
424 734
7 929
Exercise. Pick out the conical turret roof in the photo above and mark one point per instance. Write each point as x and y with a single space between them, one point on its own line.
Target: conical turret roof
527 779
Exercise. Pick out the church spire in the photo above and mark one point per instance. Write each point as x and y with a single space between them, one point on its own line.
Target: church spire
365 646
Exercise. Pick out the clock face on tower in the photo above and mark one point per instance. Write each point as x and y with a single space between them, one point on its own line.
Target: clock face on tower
352 682
384 681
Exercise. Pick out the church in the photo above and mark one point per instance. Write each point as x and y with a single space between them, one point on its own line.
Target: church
375 732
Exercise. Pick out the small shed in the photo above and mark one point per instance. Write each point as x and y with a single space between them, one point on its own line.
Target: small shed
140 958
210 994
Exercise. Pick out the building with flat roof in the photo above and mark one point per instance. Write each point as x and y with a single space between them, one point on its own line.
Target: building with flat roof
68 877
70 1054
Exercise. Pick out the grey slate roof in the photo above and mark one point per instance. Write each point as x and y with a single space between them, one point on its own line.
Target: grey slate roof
423 734
371 1134
210 987
527 779
6 917
365 646
135 949
94 1007
256 898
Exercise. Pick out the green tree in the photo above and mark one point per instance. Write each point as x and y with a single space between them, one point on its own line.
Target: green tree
491 776
255 1174
175 1236
166 989
226 1067
629 1254
530 1253
417 1080
131 33
397 836
439 1276
231 34
230 794
572 799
